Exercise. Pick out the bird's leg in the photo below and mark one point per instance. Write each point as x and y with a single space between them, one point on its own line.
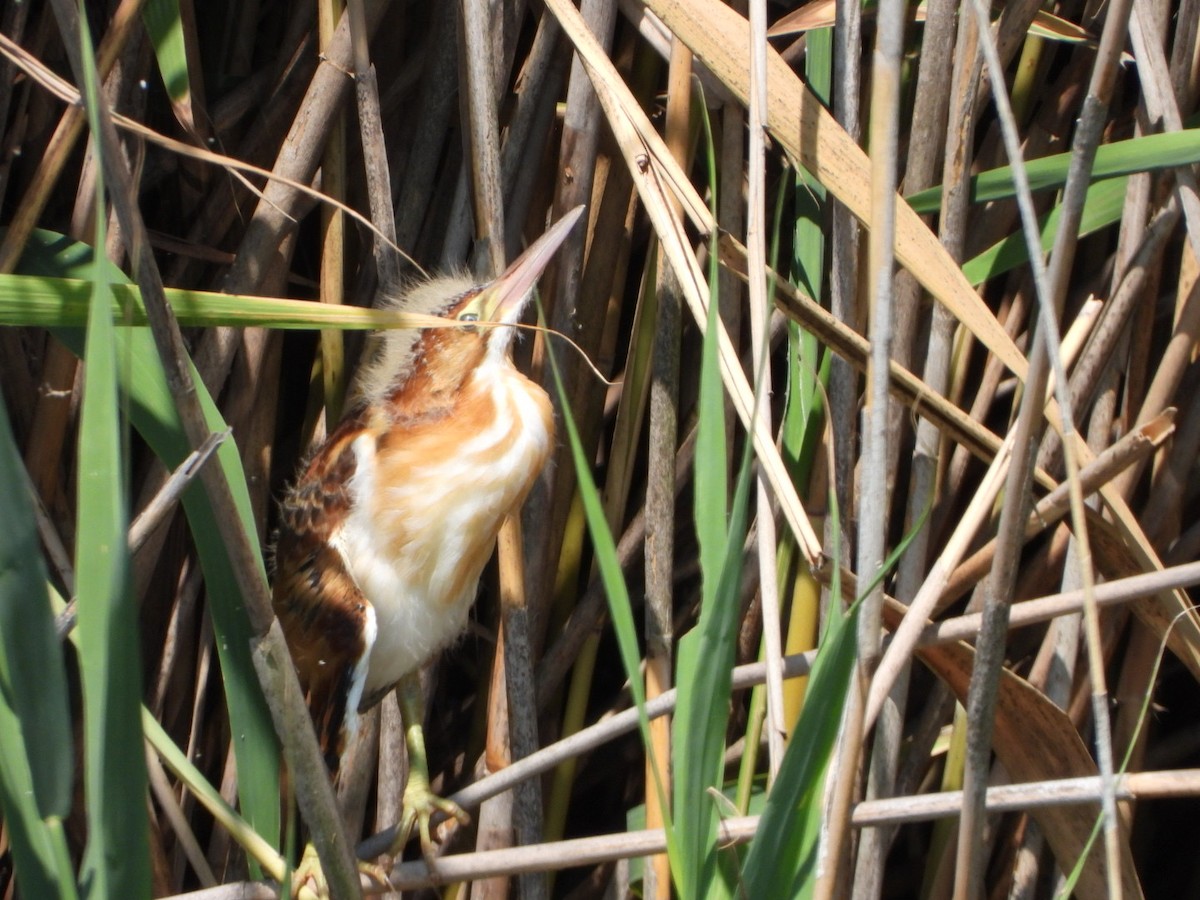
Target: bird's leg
419 802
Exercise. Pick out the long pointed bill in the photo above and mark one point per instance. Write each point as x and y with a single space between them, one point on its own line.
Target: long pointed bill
505 297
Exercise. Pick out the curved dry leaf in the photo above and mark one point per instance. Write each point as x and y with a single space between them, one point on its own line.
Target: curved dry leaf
1036 741
818 14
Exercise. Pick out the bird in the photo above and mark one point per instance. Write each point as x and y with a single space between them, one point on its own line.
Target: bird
384 534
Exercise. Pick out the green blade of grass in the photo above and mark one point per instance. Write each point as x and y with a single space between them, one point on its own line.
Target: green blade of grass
1105 197
782 856
51 301
1102 208
165 28
704 675
1141 154
613 579
32 675
36 756
152 412
41 860
706 654
248 837
711 487
116 862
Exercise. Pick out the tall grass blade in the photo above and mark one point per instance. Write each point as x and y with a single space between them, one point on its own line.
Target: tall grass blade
782 857
706 654
50 300
32 675
152 413
36 757
613 579
1102 208
165 28
1147 153
116 862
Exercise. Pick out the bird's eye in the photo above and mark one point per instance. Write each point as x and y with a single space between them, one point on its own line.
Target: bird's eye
468 317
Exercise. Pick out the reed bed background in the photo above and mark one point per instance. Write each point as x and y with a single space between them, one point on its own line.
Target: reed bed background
794 413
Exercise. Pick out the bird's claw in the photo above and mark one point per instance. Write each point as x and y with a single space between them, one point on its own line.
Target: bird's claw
376 872
420 804
310 874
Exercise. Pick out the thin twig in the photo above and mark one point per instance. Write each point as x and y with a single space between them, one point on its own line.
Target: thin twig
760 315
874 499
898 810
151 516
1051 286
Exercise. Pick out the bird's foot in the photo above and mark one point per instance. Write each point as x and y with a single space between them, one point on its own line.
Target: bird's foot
310 874
419 805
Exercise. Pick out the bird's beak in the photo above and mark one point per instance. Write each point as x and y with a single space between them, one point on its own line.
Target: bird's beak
505 297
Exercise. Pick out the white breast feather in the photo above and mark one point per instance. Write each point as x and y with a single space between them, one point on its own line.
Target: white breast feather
410 624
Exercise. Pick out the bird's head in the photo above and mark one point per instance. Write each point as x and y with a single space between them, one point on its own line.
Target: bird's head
431 365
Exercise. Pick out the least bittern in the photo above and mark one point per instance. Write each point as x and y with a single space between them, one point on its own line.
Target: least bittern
385 534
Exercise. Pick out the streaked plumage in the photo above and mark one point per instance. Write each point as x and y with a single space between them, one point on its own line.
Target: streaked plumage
385 533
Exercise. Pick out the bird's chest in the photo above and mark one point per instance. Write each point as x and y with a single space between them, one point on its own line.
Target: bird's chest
428 502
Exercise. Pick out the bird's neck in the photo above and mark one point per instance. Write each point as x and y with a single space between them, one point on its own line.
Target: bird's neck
426 394
420 397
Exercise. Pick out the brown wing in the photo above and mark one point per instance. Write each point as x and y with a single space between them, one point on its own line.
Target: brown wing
321 609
